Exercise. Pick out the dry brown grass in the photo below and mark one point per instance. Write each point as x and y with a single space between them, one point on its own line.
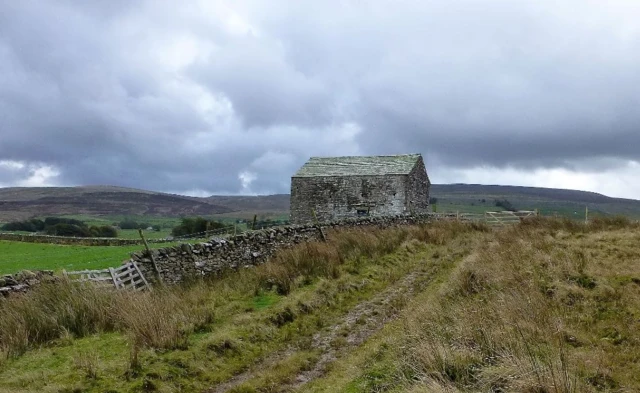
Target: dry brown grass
318 259
165 317
159 319
539 308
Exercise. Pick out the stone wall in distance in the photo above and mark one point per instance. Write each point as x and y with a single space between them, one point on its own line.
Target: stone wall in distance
80 241
185 261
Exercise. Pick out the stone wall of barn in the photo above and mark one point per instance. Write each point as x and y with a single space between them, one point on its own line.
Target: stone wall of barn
340 197
417 192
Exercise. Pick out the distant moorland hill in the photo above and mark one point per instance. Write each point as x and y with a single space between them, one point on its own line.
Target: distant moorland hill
550 201
25 202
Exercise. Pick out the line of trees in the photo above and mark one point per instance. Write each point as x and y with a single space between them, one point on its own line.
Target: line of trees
132 224
58 226
189 226
505 204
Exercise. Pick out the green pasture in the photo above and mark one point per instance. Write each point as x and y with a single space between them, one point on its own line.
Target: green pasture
133 234
163 222
16 256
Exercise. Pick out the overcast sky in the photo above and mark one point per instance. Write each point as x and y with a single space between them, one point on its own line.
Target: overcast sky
204 97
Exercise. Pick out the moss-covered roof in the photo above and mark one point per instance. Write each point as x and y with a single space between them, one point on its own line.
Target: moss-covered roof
358 165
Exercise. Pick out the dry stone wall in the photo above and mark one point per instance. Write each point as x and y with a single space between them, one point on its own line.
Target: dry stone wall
186 261
23 281
81 241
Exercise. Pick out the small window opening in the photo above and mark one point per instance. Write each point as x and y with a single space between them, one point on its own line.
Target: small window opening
362 212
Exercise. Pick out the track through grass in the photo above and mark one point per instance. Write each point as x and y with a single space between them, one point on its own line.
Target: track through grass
545 306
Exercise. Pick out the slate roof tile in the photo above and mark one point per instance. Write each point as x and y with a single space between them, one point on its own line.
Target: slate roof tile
358 165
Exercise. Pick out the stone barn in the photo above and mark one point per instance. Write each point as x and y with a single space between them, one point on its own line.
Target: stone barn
335 188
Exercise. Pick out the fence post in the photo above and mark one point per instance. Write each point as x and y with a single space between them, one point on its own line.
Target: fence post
153 261
113 277
315 218
586 214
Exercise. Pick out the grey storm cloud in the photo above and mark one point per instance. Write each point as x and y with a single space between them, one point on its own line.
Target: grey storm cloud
234 96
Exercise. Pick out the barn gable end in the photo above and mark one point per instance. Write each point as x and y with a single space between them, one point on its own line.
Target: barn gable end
333 188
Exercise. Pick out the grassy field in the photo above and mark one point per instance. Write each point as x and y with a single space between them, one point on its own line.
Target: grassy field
16 256
545 306
166 224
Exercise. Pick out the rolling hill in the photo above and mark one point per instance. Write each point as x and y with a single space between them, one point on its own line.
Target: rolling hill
550 201
25 202
21 203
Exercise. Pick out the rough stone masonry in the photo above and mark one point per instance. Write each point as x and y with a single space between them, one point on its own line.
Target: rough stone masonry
24 281
188 261
334 188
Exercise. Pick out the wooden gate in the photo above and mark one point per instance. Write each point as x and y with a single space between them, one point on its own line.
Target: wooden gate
501 218
127 276
507 217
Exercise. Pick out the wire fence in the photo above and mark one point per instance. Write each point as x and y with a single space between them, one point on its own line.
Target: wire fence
205 234
89 256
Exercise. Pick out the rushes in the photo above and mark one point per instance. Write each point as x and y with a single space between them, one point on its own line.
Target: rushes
50 312
306 261
311 260
505 319
545 306
572 226
165 317
158 319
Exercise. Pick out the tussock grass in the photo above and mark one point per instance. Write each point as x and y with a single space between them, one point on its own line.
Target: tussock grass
597 223
50 312
528 313
165 317
316 259
157 319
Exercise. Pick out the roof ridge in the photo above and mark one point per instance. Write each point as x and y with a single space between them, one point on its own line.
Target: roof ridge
381 155
398 164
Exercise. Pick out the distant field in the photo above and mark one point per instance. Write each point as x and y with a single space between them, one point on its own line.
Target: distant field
123 233
16 256
133 234
163 222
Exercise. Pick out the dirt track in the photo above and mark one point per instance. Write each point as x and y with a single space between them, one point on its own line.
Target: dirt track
355 327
